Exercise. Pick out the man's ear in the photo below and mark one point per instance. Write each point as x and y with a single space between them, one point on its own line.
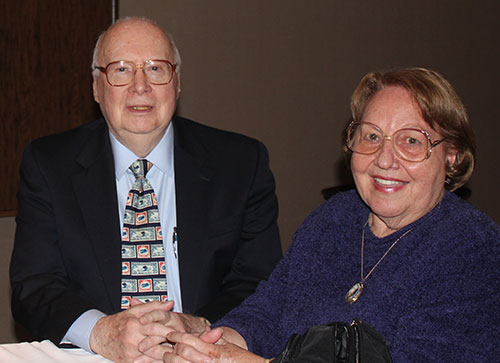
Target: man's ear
95 89
178 85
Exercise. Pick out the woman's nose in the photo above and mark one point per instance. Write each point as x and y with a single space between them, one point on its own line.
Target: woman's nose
385 157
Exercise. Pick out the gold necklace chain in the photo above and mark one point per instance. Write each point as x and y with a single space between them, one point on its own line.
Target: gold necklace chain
355 292
381 258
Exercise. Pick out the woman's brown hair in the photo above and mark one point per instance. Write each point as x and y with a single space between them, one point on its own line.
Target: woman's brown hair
441 109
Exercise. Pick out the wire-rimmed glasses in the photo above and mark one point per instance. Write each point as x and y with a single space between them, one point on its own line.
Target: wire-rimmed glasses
121 73
409 144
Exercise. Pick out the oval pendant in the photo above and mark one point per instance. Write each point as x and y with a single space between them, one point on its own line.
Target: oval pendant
354 293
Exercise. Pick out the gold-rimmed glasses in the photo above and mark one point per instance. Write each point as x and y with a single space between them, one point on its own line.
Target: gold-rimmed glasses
121 73
409 144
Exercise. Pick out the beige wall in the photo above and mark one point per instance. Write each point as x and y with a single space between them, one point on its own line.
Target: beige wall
9 331
283 72
7 229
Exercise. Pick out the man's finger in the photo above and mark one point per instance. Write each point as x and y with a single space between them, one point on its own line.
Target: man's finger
156 352
191 354
169 357
141 309
151 341
156 316
134 302
155 329
186 341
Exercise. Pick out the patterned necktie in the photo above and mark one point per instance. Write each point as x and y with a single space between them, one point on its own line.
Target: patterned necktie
143 261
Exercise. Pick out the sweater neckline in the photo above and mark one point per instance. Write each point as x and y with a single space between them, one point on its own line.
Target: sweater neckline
372 238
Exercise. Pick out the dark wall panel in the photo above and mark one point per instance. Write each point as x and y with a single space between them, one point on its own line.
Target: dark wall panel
45 60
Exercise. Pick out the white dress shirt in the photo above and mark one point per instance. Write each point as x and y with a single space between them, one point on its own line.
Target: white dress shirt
161 177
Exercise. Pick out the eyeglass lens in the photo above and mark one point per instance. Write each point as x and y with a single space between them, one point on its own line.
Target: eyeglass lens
121 73
410 144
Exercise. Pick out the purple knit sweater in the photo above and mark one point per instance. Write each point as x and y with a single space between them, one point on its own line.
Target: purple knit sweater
435 297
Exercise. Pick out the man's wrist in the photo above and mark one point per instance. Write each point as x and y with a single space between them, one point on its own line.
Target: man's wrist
197 325
205 321
81 329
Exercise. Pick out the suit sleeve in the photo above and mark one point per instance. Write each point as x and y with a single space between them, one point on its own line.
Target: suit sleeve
259 247
41 298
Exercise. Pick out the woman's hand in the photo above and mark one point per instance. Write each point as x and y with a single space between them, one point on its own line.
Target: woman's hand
208 347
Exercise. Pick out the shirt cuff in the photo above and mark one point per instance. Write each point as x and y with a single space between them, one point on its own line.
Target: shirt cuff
79 332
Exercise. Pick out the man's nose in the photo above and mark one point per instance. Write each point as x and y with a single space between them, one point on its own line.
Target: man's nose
140 82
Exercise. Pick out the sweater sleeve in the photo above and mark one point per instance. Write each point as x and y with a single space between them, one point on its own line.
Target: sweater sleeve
257 318
278 308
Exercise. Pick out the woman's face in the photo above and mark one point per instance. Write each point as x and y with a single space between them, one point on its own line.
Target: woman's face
399 192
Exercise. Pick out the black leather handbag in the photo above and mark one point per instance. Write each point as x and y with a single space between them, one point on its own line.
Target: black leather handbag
337 342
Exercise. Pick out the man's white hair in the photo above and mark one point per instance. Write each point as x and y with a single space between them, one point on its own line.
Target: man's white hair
97 48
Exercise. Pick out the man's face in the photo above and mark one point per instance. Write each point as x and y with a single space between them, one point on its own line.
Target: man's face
138 113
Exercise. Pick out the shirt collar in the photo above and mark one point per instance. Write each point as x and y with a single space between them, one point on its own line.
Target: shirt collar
162 156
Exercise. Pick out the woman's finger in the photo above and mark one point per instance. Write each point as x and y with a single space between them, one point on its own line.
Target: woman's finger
189 346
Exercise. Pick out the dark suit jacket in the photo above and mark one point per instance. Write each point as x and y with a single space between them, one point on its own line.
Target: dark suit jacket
67 251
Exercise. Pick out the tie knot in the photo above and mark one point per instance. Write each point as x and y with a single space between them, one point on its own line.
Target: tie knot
140 168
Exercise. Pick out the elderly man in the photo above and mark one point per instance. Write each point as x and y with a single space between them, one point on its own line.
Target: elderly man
128 215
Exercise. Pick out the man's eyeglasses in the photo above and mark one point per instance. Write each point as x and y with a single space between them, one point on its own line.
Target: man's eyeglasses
121 73
409 144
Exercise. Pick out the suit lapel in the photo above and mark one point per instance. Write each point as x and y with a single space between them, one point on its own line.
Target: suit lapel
192 182
95 188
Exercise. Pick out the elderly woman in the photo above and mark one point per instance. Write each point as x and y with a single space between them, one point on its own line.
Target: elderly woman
400 252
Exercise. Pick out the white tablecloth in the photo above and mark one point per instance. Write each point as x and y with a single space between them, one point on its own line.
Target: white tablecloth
45 352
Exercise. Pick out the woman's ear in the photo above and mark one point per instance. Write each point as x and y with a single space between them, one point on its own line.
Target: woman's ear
451 156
